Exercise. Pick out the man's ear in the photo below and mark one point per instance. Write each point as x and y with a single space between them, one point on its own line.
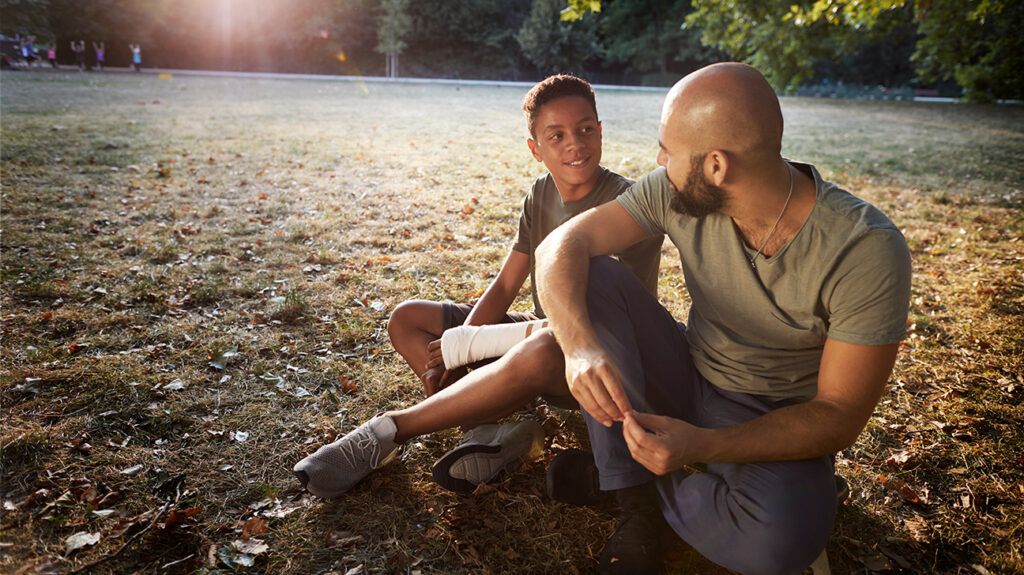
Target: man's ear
532 144
716 167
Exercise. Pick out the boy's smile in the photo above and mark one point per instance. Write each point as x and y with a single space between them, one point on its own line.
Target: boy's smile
568 141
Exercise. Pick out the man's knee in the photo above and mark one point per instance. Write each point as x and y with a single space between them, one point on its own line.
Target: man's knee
607 279
792 533
778 549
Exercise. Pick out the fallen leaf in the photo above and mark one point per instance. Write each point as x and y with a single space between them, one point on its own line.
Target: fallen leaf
240 436
221 360
254 526
347 385
175 385
251 547
180 516
132 470
78 540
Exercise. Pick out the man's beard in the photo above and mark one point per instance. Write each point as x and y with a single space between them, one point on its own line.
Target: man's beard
698 197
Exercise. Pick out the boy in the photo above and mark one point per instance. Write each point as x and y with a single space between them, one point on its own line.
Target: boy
565 134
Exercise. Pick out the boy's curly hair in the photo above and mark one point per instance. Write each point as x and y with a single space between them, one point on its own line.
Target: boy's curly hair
552 88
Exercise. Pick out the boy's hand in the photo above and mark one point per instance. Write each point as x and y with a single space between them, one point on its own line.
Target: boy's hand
436 359
438 378
431 379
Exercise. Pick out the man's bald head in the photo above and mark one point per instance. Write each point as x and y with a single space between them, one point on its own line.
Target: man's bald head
729 107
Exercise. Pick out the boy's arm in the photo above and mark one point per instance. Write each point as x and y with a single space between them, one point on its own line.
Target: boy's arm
490 309
503 290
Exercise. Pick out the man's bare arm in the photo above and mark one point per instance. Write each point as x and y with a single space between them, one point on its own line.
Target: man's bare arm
850 382
563 263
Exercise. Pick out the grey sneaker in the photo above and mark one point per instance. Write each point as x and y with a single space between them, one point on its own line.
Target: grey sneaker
334 468
485 452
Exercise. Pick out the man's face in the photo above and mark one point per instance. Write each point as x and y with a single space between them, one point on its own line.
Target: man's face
568 140
694 195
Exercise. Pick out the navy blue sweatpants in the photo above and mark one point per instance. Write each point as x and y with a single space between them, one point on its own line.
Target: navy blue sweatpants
753 518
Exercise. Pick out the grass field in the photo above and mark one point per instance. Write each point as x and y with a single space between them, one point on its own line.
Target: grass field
196 275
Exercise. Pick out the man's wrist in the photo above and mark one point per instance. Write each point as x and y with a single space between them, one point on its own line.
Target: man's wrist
708 445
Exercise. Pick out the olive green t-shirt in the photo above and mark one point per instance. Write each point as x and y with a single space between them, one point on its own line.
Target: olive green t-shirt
844 275
543 211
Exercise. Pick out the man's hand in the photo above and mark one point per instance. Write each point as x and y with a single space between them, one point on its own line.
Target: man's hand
437 378
595 382
661 444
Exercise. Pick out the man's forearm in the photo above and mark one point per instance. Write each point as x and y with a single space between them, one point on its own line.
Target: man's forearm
563 265
802 431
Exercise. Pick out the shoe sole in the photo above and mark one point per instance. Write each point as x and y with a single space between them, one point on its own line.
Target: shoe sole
489 454
486 458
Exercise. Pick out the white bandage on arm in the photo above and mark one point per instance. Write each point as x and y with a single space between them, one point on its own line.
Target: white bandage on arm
468 343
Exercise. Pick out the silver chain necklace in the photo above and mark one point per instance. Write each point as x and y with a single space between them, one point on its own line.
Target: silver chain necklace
789 196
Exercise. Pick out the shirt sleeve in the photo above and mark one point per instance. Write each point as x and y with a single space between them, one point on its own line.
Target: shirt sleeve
648 201
871 297
522 244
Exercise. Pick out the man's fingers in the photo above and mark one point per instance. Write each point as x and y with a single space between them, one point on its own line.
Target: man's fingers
436 344
601 397
613 383
435 362
631 427
583 394
650 421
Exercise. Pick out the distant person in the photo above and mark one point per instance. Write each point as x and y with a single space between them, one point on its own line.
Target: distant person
136 56
26 50
51 54
79 49
99 49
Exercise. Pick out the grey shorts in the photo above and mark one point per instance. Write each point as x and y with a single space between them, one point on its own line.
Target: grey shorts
455 314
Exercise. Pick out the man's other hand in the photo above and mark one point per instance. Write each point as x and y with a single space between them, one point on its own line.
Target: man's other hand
661 444
595 382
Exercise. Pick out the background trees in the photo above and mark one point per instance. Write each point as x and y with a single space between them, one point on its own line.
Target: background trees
969 45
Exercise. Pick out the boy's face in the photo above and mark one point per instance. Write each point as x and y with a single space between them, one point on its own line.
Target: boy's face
568 141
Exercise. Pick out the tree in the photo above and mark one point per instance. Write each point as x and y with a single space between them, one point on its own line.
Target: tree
479 38
392 27
975 42
554 45
650 35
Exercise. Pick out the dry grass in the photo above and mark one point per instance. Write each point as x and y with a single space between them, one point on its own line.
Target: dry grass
151 225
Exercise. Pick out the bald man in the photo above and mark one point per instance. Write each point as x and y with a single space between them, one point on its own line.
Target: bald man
799 296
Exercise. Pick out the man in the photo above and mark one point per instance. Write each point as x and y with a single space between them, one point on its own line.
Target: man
799 300
565 134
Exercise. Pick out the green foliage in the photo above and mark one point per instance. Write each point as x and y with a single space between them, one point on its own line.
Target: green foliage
977 43
647 35
985 54
554 45
577 9
393 26
479 38
780 38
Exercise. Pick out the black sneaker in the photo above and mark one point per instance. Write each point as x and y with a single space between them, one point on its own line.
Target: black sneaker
572 478
641 538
